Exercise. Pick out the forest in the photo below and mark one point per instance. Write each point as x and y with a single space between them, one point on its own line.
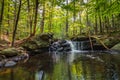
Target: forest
64 18
34 32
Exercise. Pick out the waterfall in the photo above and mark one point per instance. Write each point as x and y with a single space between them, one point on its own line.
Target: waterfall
71 45
79 45
75 46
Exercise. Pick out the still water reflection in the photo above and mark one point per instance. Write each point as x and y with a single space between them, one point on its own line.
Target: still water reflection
66 66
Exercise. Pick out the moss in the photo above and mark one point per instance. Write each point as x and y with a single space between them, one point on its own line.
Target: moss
9 52
116 47
38 42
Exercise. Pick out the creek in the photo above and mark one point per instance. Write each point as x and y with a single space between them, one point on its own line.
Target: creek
70 65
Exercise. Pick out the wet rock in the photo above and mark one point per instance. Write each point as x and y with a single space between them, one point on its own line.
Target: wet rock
9 52
1 63
10 63
60 46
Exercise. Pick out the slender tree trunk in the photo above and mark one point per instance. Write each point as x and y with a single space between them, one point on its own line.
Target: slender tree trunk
15 7
29 17
67 20
36 13
16 23
100 23
113 22
42 21
51 15
118 24
74 19
1 16
80 22
8 16
96 26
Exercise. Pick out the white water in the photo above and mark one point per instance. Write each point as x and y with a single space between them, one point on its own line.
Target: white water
73 46
71 56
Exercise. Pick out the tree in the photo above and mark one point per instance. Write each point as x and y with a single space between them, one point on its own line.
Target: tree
67 24
43 18
35 18
1 16
16 23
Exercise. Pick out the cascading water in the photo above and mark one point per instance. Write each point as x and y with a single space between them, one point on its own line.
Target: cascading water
79 45
75 46
67 45
71 45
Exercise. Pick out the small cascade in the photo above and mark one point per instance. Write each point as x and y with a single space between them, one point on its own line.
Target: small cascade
81 45
67 45
71 45
75 46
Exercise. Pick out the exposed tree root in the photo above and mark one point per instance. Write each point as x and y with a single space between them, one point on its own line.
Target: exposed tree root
98 39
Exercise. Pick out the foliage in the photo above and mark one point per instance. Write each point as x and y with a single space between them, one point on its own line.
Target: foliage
102 16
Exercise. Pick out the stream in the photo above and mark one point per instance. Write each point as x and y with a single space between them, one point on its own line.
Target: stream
71 65
66 66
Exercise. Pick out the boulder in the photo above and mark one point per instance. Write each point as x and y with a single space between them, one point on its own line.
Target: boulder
38 42
111 41
116 47
10 52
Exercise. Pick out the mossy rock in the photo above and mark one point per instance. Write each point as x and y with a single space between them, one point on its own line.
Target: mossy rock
30 45
38 42
44 37
10 52
116 47
111 41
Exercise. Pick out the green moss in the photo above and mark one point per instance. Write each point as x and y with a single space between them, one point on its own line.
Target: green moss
116 47
9 52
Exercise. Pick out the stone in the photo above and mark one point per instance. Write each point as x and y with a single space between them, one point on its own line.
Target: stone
10 63
116 47
10 52
38 42
1 64
60 46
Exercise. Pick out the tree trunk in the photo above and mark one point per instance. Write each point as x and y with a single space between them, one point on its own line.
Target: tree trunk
35 21
80 22
113 22
8 16
29 24
1 16
96 26
74 19
67 20
42 21
100 23
16 23
50 15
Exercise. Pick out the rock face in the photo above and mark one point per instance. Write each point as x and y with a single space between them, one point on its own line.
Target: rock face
60 46
116 47
38 43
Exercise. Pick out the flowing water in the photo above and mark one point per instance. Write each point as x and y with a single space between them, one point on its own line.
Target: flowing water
66 66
